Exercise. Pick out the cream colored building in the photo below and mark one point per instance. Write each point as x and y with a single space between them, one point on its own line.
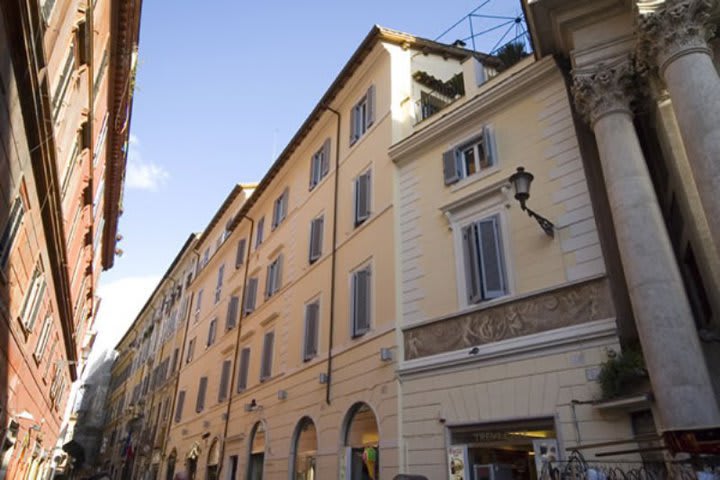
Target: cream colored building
145 373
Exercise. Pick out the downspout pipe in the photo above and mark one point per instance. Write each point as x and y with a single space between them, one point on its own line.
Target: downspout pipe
233 373
332 254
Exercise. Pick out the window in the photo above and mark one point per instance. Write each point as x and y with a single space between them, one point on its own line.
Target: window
360 297
206 258
212 330
362 198
471 157
267 356
100 140
63 83
43 340
190 351
280 209
202 389
259 234
224 379
232 313
250 296
17 213
320 164
70 167
47 7
198 306
98 196
244 369
316 238
483 259
218 287
362 115
33 299
100 74
179 406
274 277
176 352
240 255
312 318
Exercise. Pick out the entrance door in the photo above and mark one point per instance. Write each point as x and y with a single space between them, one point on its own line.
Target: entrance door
256 466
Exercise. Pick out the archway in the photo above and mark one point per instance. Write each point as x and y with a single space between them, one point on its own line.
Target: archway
304 451
361 439
256 458
213 461
191 462
170 473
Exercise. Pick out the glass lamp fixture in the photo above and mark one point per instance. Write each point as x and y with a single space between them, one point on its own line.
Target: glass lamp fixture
521 181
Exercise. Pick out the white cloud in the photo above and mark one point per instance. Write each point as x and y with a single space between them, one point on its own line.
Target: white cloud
121 303
142 174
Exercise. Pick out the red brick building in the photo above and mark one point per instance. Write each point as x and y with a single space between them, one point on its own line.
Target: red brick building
67 70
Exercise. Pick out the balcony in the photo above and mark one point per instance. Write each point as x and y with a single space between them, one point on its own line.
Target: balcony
436 94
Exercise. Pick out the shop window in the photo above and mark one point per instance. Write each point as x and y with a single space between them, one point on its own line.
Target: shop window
304 450
502 451
362 458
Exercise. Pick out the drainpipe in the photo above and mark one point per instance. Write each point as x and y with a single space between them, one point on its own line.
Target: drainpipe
332 253
181 357
233 373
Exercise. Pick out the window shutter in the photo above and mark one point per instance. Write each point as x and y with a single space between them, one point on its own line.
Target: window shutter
284 204
211 332
314 171
224 378
179 407
278 273
240 256
259 236
176 352
250 294
450 169
325 162
311 330
266 370
316 235
472 264
370 117
489 144
244 368
269 273
362 198
200 404
361 301
493 276
232 312
353 125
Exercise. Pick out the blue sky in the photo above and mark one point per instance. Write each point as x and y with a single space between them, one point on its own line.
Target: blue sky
223 85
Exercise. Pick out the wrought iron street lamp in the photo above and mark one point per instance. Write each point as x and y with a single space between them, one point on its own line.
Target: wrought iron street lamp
521 181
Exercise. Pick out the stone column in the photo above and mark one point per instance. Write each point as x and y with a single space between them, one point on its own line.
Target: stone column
673 37
678 373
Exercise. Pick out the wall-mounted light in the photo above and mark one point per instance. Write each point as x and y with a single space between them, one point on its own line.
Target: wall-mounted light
323 378
282 395
386 354
521 181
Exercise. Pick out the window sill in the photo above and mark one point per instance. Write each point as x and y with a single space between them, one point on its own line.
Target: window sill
475 178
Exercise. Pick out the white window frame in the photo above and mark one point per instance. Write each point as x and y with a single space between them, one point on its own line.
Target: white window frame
311 258
494 205
274 277
280 209
357 221
486 138
319 159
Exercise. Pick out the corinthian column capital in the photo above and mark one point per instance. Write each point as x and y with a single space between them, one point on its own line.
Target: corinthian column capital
674 29
604 90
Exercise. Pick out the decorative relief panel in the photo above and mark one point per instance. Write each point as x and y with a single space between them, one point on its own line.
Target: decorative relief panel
573 305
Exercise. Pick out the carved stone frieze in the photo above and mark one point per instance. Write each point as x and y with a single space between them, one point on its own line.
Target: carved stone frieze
606 89
674 29
559 308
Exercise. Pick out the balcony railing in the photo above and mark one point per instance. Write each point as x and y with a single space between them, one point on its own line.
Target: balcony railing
436 94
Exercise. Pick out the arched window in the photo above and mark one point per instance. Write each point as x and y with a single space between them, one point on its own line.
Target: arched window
304 451
256 458
361 439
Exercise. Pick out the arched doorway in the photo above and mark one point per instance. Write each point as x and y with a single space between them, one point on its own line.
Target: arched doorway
361 458
191 462
213 461
304 451
256 458
170 472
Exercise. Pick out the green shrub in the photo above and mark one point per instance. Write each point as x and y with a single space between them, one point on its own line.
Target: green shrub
618 375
